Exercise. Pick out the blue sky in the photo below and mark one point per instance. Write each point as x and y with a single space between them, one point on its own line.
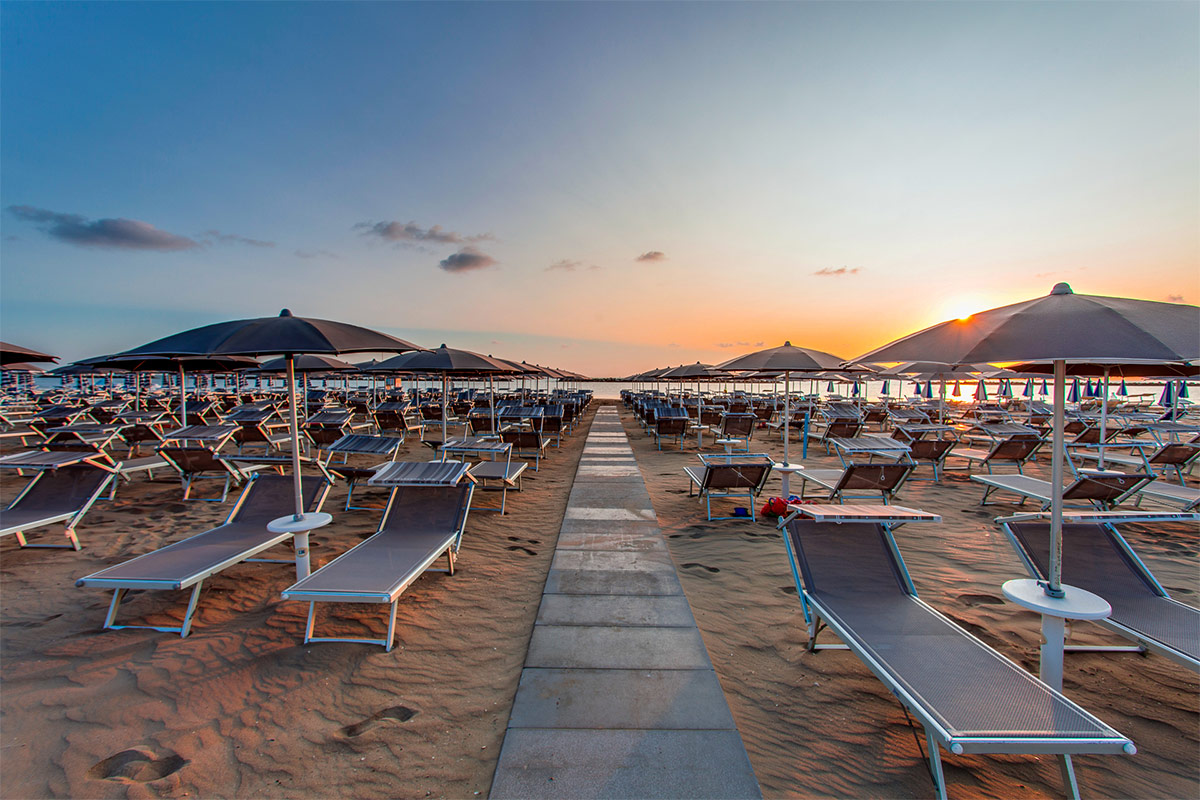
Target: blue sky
489 175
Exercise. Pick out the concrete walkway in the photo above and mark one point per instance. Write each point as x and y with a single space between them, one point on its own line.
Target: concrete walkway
618 698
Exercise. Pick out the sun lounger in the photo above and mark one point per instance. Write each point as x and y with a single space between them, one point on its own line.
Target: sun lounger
194 450
1097 489
1185 498
63 494
730 476
932 452
737 427
257 426
883 478
188 563
420 525
384 447
1016 450
852 579
670 423
526 444
1097 558
1176 456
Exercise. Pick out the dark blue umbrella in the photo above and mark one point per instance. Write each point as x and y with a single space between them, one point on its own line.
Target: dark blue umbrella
1124 390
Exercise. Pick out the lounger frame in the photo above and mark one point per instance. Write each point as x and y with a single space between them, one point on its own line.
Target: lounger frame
817 616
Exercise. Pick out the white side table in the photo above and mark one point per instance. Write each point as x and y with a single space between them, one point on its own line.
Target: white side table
785 473
299 526
1074 604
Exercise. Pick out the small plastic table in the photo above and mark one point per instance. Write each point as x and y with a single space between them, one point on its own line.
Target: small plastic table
1076 603
785 474
299 526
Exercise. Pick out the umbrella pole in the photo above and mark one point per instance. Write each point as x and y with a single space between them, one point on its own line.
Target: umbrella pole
445 391
1103 418
292 417
182 399
1054 586
492 402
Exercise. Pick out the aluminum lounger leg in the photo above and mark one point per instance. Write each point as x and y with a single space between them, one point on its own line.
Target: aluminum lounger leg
118 595
308 627
391 631
191 610
935 765
1068 773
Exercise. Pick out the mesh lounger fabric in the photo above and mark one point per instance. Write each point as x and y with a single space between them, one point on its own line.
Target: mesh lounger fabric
55 495
268 497
1093 560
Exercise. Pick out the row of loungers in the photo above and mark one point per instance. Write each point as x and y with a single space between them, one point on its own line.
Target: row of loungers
423 521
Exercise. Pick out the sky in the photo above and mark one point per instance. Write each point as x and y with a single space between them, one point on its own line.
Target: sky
603 187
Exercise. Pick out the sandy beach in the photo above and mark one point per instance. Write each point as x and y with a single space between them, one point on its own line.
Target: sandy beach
243 708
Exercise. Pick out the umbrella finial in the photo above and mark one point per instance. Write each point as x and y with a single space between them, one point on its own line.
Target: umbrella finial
787 343
285 312
1062 288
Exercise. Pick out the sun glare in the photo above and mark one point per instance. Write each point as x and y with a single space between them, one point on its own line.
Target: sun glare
960 308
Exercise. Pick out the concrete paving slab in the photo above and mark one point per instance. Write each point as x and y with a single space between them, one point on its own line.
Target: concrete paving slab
678 699
595 581
609 513
613 647
624 765
644 561
601 539
668 611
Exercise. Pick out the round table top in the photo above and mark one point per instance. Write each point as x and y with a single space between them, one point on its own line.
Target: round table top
305 522
1076 604
789 468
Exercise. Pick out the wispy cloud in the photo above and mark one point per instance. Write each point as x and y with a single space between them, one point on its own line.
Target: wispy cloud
315 254
233 238
411 233
466 260
127 234
652 255
838 271
739 344
1175 298
569 265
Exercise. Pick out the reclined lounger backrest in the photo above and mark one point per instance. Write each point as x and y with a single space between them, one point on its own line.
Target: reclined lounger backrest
62 490
1093 559
269 497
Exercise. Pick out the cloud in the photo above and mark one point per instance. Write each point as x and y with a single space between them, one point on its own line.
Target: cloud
410 232
465 260
315 254
127 234
216 236
739 344
1174 298
233 238
565 265
652 255
674 344
838 271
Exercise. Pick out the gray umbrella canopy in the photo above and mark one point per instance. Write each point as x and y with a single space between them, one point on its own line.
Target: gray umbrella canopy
1060 328
786 360
12 354
281 335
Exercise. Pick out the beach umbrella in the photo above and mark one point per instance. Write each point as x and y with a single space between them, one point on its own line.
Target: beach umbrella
980 392
14 354
1182 394
786 359
929 389
957 390
1052 331
1028 392
444 361
886 390
1044 390
1124 390
21 366
1073 397
285 335
1167 398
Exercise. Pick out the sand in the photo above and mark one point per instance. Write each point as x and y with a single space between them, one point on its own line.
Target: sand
242 708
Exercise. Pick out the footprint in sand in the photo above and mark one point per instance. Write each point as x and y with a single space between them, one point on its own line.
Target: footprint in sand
396 713
524 550
691 564
527 541
980 600
33 623
788 589
136 766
